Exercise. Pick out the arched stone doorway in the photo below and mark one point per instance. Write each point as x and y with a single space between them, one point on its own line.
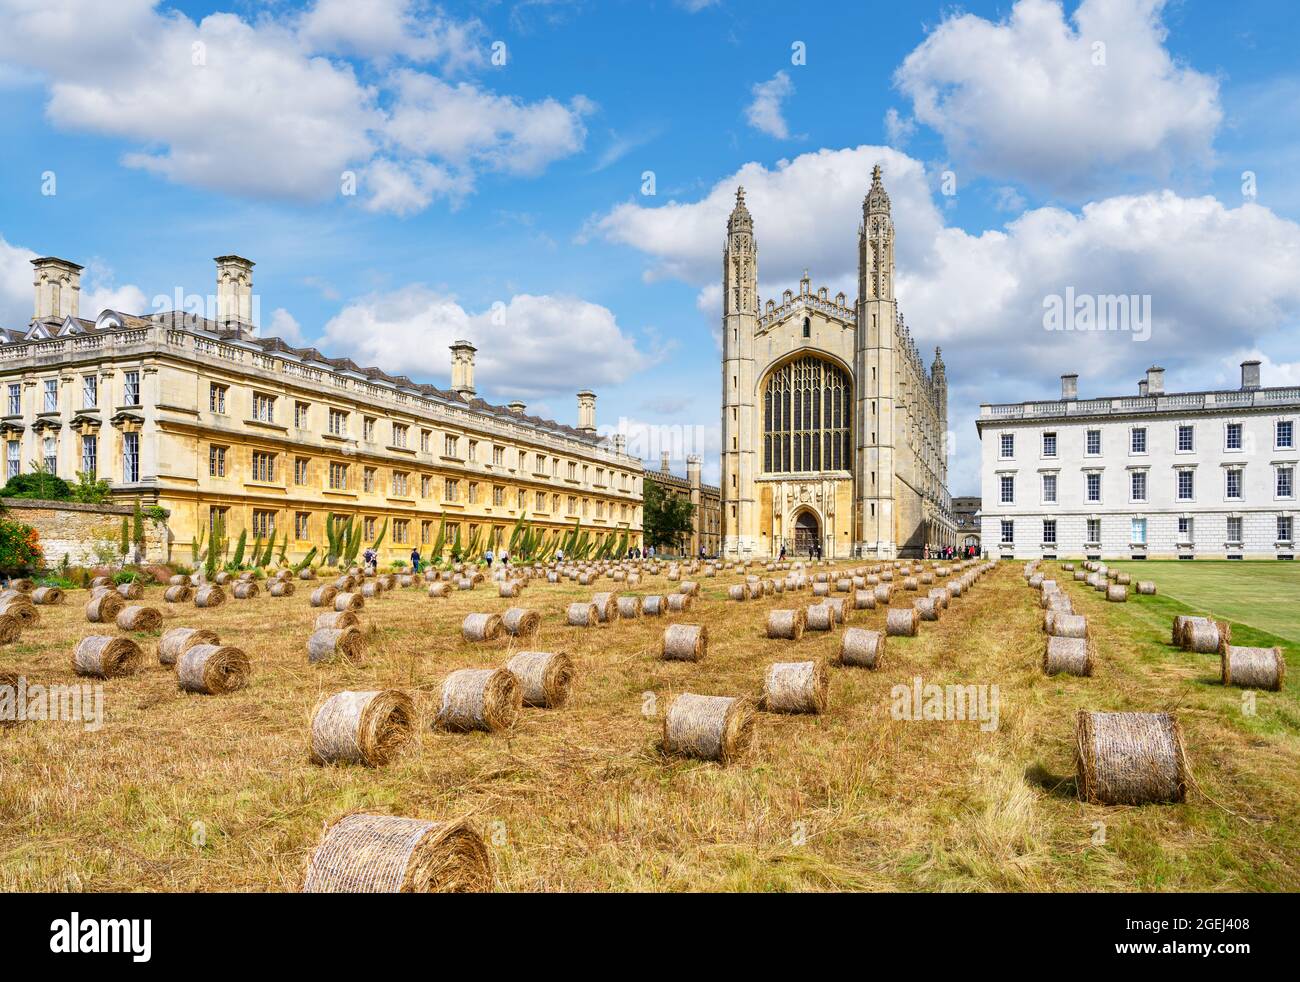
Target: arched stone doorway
807 533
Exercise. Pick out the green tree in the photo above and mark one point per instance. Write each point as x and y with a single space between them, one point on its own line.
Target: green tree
89 491
666 518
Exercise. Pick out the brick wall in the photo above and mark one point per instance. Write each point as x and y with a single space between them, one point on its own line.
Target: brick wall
72 529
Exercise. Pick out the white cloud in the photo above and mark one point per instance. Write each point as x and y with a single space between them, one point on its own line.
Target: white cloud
1218 277
16 291
1024 98
898 128
529 346
259 108
764 113
285 327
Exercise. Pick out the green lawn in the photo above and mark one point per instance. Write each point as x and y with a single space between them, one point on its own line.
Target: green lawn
1265 595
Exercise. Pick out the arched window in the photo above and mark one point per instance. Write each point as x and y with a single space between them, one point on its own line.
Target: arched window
807 418
807 327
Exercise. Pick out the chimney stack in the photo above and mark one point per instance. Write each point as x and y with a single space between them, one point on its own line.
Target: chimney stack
517 407
462 369
1155 380
620 443
235 293
1142 387
1250 375
664 460
693 463
587 412
58 287
1069 387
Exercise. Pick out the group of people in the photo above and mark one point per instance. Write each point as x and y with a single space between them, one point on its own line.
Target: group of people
370 558
951 552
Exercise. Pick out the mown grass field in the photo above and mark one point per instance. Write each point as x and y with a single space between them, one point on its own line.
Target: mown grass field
189 792
1265 595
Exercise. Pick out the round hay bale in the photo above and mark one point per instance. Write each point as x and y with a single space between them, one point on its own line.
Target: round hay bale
372 589
306 573
738 592
520 622
629 608
102 581
178 640
653 605
481 627
926 608
1129 758
1176 630
1068 655
883 592
689 587
862 648
544 677
178 594
911 583
138 618
11 628
819 617
337 620
479 699
1117 594
1205 636
213 669
864 600
901 622
282 588
439 589
582 615
796 687
368 728
130 591
348 601
344 583
1252 668
679 603
508 588
323 595
389 854
606 605
47 596
685 642
1068 625
821 589
178 580
717 728
1123 579
1146 588
844 584
104 608
209 595
788 625
331 643
105 657
23 611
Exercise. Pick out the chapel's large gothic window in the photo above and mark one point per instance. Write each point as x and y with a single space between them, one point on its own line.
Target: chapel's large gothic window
806 418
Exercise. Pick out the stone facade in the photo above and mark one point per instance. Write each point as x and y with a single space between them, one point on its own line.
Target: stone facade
966 511
83 532
1195 475
213 422
707 499
834 432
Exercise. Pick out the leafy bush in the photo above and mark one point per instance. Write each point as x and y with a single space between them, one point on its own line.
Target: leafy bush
89 491
126 576
20 547
37 484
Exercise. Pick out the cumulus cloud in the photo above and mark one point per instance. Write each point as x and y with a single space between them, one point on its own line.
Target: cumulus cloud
1071 107
529 346
260 108
765 113
1217 276
16 291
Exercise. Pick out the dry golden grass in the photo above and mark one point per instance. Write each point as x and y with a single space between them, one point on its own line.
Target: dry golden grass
188 792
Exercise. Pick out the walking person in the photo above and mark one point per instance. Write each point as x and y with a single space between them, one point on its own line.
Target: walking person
415 560
488 556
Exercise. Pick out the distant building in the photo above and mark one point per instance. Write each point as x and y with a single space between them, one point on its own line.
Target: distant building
1191 475
226 428
706 498
966 513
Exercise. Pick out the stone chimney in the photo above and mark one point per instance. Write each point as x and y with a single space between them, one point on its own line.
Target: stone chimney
462 369
1155 380
235 293
620 443
1069 387
1250 374
664 461
517 407
693 463
1142 387
587 411
58 287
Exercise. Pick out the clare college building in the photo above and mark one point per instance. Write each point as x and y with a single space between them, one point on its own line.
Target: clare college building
219 425
834 432
1155 474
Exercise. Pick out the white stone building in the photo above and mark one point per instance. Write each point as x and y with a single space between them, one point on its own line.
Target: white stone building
1160 475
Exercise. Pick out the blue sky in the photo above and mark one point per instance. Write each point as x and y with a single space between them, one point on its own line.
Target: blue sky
504 202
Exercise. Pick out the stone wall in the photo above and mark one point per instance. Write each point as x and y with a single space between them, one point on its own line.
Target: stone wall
72 529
